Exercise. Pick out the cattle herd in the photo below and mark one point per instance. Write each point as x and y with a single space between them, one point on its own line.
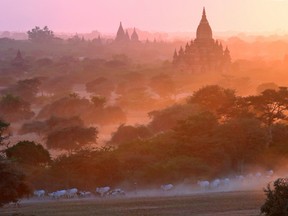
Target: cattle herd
75 193
240 182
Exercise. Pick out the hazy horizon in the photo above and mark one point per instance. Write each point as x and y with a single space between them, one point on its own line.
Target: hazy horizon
251 16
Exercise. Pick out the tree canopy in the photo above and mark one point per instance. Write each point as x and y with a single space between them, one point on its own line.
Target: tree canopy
13 108
40 35
71 138
28 153
276 198
12 183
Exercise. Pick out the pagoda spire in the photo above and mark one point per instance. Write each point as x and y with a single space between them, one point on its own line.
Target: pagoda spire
204 31
204 18
134 36
120 33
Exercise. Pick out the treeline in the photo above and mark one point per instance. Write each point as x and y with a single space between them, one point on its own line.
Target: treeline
42 42
214 133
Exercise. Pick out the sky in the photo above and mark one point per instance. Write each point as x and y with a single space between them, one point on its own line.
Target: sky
150 15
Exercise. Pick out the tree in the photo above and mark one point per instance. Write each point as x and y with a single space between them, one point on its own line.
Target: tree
166 119
270 106
40 35
264 86
51 124
241 139
12 183
98 101
26 89
13 108
197 125
4 134
28 153
276 203
127 133
66 107
71 138
214 98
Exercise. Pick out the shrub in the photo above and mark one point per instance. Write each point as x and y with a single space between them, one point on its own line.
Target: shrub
276 203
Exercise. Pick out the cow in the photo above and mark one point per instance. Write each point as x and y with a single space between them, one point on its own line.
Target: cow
70 193
240 178
58 194
215 184
204 185
102 191
116 192
84 194
225 182
167 187
269 173
258 175
39 193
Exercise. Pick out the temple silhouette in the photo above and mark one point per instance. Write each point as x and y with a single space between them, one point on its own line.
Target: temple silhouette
204 54
123 37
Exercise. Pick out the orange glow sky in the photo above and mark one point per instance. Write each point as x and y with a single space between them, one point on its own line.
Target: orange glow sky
152 15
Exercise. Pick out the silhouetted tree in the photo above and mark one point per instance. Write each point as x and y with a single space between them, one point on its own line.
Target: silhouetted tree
214 98
12 183
127 133
40 35
197 125
13 108
276 203
26 89
270 106
28 153
264 86
98 101
166 119
4 135
241 139
71 138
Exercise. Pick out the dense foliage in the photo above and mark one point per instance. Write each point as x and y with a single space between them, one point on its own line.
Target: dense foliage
12 183
27 152
276 198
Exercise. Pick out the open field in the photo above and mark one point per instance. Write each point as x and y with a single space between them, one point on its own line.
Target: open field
245 203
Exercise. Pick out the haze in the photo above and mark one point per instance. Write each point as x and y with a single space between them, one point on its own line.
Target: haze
257 16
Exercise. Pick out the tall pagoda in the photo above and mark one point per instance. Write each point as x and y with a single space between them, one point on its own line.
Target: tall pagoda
204 54
122 36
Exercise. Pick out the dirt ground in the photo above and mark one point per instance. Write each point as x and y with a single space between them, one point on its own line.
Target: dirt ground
245 203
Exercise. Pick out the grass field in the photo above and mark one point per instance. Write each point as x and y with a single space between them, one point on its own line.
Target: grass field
207 204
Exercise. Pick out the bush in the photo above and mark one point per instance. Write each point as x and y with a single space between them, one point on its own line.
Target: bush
276 203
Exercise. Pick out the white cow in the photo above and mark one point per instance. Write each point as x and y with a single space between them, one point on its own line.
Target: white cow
204 185
116 192
167 187
102 190
39 193
85 194
269 173
58 194
225 182
215 184
258 175
70 193
240 178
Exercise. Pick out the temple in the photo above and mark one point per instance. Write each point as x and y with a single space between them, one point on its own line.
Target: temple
204 54
123 37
